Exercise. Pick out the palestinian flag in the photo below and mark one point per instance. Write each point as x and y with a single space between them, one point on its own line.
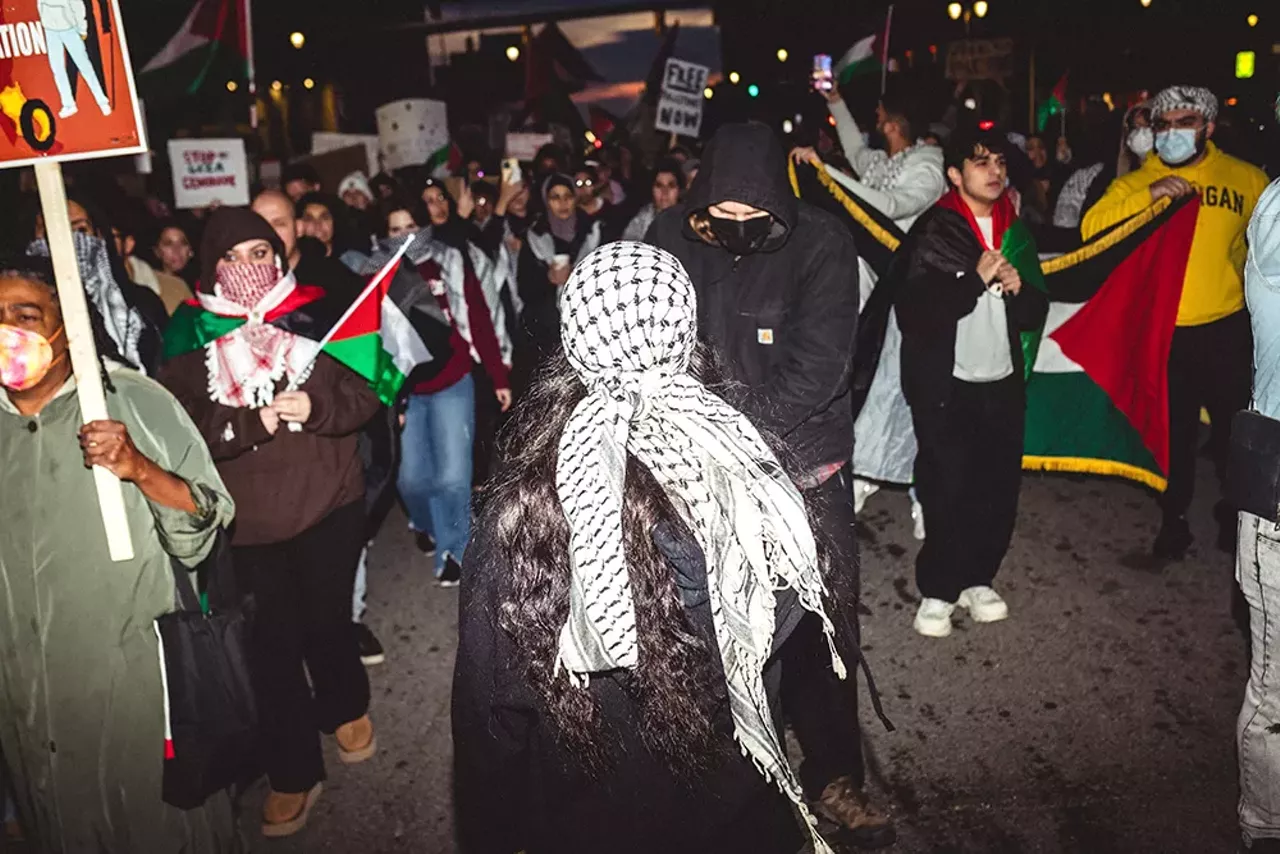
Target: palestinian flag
1098 398
864 57
445 161
1097 394
1056 104
372 336
214 36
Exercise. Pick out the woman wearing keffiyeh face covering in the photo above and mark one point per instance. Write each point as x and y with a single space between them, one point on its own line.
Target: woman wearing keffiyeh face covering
300 500
641 561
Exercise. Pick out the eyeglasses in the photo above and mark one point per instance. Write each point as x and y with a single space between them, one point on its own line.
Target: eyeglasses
1185 123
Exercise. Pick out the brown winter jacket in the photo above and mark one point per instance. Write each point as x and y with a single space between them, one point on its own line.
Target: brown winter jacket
286 483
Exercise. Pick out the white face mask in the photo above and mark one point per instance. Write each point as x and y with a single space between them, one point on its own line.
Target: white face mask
1141 141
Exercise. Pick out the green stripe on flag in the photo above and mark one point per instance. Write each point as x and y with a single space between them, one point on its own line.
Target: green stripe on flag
1072 425
365 355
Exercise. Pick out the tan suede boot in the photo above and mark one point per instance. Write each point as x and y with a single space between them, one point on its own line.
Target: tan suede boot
284 814
356 741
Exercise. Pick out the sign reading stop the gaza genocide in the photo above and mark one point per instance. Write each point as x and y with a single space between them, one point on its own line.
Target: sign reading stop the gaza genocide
209 172
66 84
680 105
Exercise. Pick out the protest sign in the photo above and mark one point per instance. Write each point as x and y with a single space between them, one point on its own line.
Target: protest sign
208 172
66 86
524 146
412 132
680 104
323 142
67 93
980 59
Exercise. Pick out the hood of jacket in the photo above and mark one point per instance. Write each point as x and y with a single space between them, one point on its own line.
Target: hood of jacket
746 163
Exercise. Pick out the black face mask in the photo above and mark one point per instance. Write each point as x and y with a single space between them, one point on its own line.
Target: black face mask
741 237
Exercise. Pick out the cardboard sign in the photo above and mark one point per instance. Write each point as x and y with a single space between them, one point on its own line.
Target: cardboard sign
323 142
980 59
209 171
66 84
333 166
411 131
524 146
680 105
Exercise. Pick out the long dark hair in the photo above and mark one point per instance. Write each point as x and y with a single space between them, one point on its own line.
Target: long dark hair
672 685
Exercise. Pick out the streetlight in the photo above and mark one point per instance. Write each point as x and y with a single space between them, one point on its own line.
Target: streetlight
1145 3
787 127
753 90
276 86
970 104
297 39
979 9
232 85
1253 20
734 77
308 83
513 53
708 93
782 54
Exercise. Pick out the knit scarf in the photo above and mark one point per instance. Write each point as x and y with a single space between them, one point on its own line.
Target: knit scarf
629 323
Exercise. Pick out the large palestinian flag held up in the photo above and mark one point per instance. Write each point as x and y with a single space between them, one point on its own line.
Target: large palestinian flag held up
372 336
1098 398
1097 391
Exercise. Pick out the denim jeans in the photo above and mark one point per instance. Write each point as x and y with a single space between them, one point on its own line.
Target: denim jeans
435 466
61 43
1258 730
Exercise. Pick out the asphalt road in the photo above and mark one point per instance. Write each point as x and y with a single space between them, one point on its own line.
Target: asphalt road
1098 719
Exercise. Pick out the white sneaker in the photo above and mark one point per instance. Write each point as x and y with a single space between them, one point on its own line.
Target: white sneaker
68 111
105 108
933 618
984 604
862 490
917 516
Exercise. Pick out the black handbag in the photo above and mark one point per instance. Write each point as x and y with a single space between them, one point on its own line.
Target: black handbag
1252 481
211 715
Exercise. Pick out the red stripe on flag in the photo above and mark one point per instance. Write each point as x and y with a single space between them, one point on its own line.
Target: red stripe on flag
1122 336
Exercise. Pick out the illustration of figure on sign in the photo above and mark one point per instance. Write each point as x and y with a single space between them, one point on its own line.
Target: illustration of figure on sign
66 28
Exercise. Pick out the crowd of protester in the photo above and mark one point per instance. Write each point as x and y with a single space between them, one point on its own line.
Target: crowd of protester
677 338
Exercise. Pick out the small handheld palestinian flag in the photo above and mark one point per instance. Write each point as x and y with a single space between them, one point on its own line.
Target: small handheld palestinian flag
372 335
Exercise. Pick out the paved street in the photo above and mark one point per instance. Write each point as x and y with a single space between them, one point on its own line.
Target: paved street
1100 718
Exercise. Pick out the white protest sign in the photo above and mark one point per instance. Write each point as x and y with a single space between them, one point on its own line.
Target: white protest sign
524 146
680 106
209 171
322 142
411 131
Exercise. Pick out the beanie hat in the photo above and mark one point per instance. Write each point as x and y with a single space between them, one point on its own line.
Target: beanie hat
1195 98
355 181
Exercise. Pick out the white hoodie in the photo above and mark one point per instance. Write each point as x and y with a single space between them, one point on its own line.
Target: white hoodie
64 15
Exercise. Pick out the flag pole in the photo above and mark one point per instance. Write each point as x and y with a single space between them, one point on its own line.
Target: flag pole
247 14
884 58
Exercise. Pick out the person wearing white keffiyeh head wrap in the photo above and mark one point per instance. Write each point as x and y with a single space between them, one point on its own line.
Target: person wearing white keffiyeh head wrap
641 424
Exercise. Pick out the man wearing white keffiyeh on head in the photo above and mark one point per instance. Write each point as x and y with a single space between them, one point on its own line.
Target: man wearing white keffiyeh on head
628 320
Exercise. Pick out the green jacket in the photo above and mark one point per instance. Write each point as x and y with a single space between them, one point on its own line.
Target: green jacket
81 708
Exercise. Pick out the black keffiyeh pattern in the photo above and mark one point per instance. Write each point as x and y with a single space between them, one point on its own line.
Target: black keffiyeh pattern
628 321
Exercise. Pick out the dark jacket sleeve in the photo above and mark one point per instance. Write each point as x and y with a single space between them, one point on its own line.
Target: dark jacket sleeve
229 431
1029 308
939 281
489 238
820 333
341 400
541 316
492 719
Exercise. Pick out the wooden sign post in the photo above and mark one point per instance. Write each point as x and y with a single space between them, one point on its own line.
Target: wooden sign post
48 124
84 355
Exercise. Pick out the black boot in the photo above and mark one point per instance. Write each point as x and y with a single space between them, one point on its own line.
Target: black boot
1173 540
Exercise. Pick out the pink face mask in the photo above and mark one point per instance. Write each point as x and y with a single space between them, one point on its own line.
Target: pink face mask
26 357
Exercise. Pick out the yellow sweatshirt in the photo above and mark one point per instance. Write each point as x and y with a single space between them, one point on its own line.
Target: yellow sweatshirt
1229 188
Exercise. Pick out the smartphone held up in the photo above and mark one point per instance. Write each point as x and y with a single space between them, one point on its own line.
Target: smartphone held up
823 78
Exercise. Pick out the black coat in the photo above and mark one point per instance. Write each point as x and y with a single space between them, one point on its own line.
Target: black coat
783 320
517 789
938 286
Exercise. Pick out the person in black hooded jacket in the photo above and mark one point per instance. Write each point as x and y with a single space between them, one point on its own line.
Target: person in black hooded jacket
777 288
